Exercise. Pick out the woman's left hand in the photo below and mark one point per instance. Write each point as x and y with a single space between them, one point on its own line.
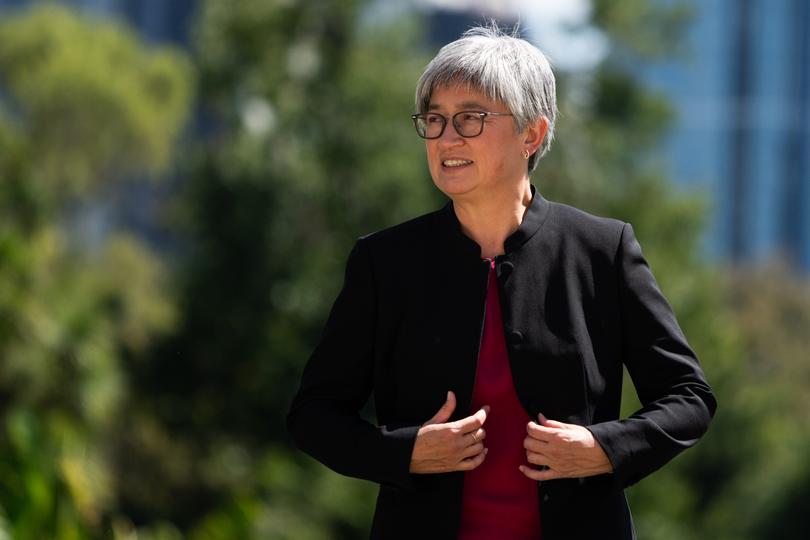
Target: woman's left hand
566 450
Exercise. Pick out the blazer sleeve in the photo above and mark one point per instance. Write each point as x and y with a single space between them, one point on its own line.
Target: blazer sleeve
677 402
324 418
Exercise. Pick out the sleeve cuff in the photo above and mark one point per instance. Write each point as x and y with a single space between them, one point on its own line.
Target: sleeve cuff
399 446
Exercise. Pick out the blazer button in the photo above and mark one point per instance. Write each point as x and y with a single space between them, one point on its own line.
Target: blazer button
504 270
515 337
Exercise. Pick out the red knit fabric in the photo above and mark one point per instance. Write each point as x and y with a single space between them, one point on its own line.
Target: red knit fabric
499 502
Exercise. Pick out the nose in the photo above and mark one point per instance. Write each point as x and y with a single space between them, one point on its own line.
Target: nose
450 136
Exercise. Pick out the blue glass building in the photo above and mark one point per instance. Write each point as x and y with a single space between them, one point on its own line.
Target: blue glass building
742 134
159 21
742 97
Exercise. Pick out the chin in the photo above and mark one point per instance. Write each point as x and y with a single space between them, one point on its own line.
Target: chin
454 186
453 189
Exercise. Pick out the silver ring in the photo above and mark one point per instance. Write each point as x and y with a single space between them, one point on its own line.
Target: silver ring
474 437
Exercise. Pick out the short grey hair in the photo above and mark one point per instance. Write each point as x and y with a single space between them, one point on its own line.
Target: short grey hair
501 67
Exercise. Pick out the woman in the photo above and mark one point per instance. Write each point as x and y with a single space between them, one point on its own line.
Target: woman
492 335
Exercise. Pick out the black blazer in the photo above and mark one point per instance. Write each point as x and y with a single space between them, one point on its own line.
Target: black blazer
578 301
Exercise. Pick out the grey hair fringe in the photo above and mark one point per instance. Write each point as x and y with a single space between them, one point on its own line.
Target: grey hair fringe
503 68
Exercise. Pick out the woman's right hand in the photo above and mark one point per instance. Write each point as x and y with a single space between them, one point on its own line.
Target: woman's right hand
443 446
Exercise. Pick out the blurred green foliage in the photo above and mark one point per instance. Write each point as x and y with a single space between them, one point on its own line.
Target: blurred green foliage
143 398
89 100
84 104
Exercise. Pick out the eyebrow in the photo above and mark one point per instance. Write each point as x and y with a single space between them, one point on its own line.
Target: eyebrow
466 105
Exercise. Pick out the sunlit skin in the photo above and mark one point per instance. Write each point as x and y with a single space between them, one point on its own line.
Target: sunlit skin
496 153
490 196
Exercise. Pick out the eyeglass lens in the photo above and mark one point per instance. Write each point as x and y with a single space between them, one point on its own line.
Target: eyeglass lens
467 124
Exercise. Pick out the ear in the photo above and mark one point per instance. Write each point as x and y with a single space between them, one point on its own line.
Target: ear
535 133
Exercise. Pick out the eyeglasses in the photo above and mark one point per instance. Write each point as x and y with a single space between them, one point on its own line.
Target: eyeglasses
467 123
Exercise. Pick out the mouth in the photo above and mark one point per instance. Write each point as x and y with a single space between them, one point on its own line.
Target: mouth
455 163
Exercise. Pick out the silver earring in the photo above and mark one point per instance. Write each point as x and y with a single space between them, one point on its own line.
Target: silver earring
526 153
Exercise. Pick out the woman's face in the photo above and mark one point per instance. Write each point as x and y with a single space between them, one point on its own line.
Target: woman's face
479 167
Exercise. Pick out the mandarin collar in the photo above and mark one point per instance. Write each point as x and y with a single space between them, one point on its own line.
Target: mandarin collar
533 220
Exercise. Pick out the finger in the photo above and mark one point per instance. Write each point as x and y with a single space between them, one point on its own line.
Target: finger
470 424
545 422
473 462
541 433
473 423
534 445
534 474
446 410
473 437
537 458
472 451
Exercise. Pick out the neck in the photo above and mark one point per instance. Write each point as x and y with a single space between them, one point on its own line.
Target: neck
490 221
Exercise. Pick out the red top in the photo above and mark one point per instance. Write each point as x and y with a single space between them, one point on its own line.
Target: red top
498 500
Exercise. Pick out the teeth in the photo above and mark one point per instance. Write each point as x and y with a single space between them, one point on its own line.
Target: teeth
455 162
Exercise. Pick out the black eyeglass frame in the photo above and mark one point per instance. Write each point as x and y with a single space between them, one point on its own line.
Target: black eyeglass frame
481 114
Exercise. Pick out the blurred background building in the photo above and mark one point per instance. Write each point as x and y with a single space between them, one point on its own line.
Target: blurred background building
132 206
741 96
740 92
742 133
156 20
157 307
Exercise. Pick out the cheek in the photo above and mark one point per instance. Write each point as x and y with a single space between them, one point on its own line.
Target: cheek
509 165
430 151
431 156
500 166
